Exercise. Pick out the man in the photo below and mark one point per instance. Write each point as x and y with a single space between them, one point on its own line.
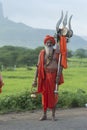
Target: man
46 73
50 65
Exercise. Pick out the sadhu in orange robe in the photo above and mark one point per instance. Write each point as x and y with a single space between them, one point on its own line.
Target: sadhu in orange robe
47 81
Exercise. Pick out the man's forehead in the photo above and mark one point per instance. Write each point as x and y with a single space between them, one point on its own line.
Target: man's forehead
49 41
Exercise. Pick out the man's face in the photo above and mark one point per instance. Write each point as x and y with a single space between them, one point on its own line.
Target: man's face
49 43
49 48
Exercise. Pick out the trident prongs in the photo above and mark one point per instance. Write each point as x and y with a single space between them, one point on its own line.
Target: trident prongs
70 31
70 22
65 31
65 20
59 22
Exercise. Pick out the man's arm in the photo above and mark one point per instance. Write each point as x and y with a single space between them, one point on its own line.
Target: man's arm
35 78
36 75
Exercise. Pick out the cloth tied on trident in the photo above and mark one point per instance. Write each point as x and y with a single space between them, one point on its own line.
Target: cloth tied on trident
63 51
63 35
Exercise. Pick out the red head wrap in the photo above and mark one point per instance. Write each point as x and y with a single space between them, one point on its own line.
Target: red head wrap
48 37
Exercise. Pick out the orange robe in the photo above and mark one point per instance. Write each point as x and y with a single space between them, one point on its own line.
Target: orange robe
46 84
63 51
1 84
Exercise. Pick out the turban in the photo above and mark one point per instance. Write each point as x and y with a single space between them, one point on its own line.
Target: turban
48 37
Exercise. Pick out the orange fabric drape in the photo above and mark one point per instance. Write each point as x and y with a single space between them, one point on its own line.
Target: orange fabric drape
46 84
63 51
41 74
49 99
1 84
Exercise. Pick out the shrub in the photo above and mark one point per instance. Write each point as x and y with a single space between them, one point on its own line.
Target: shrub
79 99
24 101
69 99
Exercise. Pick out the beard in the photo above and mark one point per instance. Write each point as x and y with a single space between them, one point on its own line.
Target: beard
49 50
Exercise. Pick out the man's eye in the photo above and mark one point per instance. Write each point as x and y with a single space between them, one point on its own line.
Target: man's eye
49 43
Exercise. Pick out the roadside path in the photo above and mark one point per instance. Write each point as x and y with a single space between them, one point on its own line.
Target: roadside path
68 119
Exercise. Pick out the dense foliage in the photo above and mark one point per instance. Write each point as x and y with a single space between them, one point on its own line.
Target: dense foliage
24 101
19 56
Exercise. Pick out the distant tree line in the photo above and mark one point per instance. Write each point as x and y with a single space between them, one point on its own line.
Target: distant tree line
20 56
79 53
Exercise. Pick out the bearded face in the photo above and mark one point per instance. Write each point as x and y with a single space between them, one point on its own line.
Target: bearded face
49 48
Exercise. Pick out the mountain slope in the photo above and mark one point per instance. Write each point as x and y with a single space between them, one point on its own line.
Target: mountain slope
19 34
77 42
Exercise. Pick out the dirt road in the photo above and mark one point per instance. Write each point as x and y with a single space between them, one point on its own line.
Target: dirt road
69 119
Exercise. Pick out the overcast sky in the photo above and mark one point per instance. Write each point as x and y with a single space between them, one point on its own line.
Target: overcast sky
45 13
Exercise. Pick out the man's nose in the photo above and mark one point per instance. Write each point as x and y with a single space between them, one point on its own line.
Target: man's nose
49 44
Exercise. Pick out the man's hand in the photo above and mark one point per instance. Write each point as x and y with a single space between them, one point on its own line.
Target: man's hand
34 83
57 79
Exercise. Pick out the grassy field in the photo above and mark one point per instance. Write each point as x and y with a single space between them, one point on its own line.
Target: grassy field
15 82
74 78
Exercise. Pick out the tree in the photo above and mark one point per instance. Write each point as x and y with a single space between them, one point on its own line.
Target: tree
70 53
10 56
80 53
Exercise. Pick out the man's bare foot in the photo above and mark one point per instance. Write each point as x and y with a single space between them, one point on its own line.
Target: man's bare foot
43 118
53 118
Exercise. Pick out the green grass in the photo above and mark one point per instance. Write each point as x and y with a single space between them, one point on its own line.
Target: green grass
74 78
21 79
15 94
17 81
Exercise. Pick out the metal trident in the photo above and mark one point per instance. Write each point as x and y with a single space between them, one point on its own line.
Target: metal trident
64 31
68 30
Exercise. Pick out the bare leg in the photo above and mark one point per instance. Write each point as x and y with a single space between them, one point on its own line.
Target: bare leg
53 113
44 117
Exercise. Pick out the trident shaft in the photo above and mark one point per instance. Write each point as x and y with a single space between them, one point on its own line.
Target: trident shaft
68 33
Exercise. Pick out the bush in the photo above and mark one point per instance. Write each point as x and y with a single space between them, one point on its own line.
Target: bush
65 99
68 99
79 99
24 101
